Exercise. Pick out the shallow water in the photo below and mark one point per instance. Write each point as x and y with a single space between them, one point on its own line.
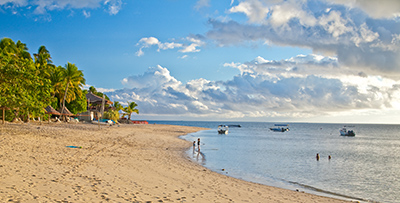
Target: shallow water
365 167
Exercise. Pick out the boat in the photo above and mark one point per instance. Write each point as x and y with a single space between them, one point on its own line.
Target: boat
345 132
223 129
103 122
280 128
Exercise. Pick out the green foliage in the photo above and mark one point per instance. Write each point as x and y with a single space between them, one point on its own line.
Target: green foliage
27 86
118 106
131 108
23 89
79 104
111 114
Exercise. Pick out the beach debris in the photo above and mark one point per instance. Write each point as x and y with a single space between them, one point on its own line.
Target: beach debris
74 146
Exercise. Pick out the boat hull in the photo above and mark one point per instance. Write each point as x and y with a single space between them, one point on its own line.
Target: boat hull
348 133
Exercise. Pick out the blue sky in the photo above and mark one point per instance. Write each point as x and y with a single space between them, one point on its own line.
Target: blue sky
250 60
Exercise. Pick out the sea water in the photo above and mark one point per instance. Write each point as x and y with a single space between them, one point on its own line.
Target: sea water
363 168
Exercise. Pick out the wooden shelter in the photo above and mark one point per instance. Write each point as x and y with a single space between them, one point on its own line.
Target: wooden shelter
50 110
4 115
94 99
66 112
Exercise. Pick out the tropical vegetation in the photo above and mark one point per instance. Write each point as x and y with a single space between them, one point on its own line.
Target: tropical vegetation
29 84
131 108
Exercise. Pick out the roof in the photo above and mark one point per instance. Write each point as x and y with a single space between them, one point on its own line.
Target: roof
50 110
96 99
66 112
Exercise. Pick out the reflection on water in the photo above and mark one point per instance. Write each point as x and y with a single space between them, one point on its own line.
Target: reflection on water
364 167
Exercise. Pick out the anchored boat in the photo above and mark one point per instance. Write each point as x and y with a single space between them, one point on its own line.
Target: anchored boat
223 129
345 132
280 128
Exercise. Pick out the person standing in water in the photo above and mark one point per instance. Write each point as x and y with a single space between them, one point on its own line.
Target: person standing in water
198 144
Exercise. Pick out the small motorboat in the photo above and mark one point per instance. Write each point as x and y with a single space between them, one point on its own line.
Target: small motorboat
236 126
280 128
345 132
223 129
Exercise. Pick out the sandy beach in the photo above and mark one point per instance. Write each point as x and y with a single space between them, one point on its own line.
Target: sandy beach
130 163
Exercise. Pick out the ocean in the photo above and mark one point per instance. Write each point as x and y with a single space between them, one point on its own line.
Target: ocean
365 168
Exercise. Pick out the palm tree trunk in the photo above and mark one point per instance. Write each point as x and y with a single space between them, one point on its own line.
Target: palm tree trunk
65 95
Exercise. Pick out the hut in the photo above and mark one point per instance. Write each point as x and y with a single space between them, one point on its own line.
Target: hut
50 110
96 100
65 112
94 107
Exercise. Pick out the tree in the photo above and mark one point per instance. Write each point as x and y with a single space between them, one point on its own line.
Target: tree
43 62
79 104
118 106
131 108
56 77
113 114
23 89
73 81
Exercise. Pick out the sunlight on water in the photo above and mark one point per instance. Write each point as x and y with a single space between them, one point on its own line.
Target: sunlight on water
364 167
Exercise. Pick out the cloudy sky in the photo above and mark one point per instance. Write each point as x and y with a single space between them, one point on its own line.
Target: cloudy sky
226 60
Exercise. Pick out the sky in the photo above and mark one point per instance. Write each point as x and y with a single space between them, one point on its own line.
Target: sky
335 61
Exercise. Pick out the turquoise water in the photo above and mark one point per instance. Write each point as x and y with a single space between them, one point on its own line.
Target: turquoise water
364 168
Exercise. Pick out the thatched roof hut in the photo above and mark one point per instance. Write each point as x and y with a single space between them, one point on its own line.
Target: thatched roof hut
50 110
66 112
94 99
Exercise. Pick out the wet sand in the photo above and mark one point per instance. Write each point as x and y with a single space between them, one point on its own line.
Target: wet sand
130 163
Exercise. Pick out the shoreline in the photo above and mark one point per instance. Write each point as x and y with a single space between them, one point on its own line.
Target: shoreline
130 163
292 186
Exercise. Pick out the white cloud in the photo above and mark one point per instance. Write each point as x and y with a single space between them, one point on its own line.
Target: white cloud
305 86
358 41
256 11
114 6
376 9
192 46
42 6
86 14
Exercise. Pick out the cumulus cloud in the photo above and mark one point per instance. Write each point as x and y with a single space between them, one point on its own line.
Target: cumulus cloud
189 44
376 9
302 86
356 38
42 6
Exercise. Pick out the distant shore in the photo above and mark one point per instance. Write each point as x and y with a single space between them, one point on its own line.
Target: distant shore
131 163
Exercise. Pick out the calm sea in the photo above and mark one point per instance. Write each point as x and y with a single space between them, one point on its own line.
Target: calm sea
364 168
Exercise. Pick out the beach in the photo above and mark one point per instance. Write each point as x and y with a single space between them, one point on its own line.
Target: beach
62 162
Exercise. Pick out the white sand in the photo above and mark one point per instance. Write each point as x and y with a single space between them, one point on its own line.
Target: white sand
131 163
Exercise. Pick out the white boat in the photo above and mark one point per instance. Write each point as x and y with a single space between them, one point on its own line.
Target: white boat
345 132
280 128
105 122
223 129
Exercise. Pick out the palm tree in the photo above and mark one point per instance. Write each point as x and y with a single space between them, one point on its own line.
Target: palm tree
73 79
43 62
113 114
118 106
130 109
